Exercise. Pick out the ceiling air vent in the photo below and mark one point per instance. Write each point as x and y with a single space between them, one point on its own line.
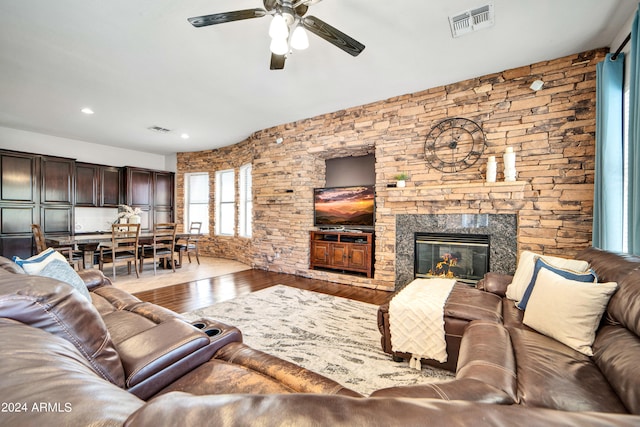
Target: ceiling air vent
471 20
159 129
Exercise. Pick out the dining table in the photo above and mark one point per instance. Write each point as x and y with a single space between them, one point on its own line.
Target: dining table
89 242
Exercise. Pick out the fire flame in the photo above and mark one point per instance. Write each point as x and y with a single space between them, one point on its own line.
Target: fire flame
443 268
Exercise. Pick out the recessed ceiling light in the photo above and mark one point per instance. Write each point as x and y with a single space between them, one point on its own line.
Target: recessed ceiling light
87 110
184 136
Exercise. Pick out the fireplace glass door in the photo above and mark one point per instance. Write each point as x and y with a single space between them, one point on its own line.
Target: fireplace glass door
464 257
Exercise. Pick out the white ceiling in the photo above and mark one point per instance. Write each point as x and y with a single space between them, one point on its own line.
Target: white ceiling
139 63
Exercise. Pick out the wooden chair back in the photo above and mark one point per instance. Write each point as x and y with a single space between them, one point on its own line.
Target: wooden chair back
164 236
124 247
192 240
75 258
125 239
162 247
38 236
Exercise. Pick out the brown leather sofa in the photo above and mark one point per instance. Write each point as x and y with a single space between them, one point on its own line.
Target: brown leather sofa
119 361
504 361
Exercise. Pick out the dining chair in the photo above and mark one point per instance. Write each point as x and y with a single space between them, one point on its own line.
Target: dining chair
162 246
189 244
74 257
124 248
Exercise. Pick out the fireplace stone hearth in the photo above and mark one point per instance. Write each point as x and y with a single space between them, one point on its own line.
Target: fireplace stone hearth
502 231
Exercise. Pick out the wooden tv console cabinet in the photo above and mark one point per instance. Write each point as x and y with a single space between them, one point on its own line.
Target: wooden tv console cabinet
342 250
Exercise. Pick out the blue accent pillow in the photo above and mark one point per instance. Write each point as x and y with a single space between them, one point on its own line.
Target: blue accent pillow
37 262
51 263
586 277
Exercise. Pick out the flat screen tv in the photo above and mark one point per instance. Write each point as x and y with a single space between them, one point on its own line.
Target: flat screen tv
350 207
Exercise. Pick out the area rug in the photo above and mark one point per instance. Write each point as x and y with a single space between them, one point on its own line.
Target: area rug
189 272
333 336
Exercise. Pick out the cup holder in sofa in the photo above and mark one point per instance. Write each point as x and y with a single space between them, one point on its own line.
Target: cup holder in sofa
207 328
213 332
219 333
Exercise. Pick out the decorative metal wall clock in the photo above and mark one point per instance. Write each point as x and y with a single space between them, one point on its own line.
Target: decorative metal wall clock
454 144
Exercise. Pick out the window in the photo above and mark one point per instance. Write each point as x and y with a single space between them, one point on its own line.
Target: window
196 203
625 190
246 201
225 202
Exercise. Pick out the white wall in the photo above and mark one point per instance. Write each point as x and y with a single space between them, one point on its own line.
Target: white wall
32 142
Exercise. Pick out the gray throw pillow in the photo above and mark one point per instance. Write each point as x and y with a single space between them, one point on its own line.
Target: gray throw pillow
62 271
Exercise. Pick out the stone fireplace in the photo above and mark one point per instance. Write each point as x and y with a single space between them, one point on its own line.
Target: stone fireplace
501 231
464 257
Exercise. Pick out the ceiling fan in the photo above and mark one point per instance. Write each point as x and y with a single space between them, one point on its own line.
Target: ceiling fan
287 28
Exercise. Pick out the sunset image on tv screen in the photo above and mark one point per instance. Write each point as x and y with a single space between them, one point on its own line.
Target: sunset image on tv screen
344 206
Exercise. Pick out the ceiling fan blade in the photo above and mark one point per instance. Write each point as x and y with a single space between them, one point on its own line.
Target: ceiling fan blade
333 35
277 62
221 18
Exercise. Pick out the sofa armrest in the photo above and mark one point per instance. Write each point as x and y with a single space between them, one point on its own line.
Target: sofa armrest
158 356
94 278
486 355
461 389
295 377
495 283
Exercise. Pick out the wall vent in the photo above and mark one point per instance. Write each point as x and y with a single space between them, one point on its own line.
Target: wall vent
471 20
159 129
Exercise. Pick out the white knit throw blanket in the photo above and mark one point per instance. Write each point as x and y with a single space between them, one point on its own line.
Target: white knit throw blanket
416 320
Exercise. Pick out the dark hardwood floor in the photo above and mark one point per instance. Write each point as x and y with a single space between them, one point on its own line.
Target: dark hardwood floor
202 293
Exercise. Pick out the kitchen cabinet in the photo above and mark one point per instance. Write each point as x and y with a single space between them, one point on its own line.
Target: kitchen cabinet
44 190
97 185
152 192
57 177
19 178
19 194
110 186
87 181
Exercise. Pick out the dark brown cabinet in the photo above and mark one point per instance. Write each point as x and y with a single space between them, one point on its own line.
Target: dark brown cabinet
19 196
19 178
38 189
57 176
87 184
97 185
152 192
110 186
342 251
57 180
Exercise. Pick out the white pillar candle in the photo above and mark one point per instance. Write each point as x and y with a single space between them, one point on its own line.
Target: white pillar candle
509 164
491 169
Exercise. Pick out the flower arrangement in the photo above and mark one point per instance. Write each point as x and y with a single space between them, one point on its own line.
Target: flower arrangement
128 211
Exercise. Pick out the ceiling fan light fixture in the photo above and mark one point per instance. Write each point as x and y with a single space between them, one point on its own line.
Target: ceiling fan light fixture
278 29
279 46
299 39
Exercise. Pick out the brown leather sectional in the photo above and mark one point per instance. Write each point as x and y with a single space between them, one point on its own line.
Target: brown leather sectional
501 360
119 361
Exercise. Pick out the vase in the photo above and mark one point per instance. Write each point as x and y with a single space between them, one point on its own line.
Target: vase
401 183
135 219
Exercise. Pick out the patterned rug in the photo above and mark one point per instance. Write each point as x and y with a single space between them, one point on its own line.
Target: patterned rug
333 336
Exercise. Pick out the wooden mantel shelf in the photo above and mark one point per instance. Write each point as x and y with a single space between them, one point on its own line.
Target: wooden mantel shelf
275 198
506 190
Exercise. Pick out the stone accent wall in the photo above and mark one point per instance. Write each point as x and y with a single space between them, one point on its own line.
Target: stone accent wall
552 132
